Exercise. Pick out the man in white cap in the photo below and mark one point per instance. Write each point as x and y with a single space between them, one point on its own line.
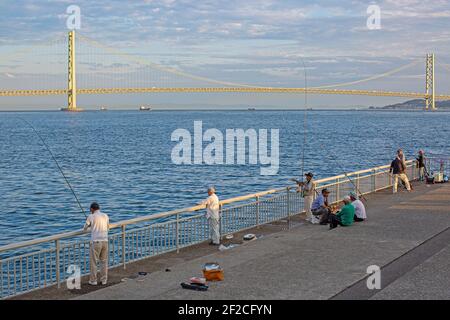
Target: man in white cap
98 223
360 209
212 215
307 189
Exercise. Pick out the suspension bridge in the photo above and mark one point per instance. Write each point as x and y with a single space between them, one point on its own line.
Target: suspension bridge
214 86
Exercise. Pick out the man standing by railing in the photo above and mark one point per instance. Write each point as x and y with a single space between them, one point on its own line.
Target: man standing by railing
99 225
212 215
421 164
398 169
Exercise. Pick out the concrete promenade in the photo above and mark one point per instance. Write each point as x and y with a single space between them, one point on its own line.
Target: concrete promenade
406 235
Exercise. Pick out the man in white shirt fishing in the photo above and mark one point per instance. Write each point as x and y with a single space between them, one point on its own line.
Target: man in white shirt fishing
98 222
308 189
212 215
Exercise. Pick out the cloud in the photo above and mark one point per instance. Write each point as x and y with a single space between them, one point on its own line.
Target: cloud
244 40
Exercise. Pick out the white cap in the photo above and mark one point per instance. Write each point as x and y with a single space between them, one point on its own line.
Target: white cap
347 198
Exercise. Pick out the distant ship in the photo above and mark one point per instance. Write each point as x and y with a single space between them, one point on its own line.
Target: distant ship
145 108
103 109
251 109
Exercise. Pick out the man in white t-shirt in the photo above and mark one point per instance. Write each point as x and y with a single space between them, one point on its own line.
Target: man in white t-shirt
308 189
212 215
360 210
98 223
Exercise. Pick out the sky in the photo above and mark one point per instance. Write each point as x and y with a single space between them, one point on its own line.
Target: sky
262 43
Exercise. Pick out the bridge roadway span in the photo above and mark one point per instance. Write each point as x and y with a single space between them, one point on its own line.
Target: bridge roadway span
407 235
376 93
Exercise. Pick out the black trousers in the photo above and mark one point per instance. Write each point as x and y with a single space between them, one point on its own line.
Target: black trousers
334 221
356 219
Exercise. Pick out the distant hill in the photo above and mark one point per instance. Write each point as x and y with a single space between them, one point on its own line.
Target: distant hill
416 104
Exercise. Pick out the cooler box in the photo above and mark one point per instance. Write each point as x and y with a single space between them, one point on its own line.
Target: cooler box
438 177
212 271
213 275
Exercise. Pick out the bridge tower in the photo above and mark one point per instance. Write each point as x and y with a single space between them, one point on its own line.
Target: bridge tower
430 83
72 89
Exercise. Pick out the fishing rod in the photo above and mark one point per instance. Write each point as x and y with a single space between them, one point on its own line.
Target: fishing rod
305 132
304 118
389 174
304 124
57 164
338 163
345 174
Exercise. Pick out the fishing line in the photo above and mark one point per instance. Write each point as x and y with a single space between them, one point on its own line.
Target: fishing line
56 161
304 118
345 174
370 162
394 145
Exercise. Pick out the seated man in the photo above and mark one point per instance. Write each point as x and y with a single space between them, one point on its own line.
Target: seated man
345 216
360 210
320 207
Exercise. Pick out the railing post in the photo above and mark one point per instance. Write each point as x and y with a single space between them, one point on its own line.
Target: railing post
390 178
374 180
58 271
124 262
357 184
220 222
288 207
257 212
338 190
177 233
1 279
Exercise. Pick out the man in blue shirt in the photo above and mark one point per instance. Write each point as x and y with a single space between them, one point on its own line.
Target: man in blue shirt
320 207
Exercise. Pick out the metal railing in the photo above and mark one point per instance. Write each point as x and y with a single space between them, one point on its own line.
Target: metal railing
438 164
43 262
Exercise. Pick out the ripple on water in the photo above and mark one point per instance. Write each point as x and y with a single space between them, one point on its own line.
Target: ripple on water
122 159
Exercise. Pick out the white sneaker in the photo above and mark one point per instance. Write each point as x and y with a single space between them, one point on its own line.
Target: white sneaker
315 220
104 283
92 283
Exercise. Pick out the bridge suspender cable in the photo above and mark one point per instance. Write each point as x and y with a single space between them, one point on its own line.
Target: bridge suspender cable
160 67
231 84
413 63
44 43
446 66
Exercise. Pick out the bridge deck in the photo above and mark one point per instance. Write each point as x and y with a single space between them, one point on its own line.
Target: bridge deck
407 235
